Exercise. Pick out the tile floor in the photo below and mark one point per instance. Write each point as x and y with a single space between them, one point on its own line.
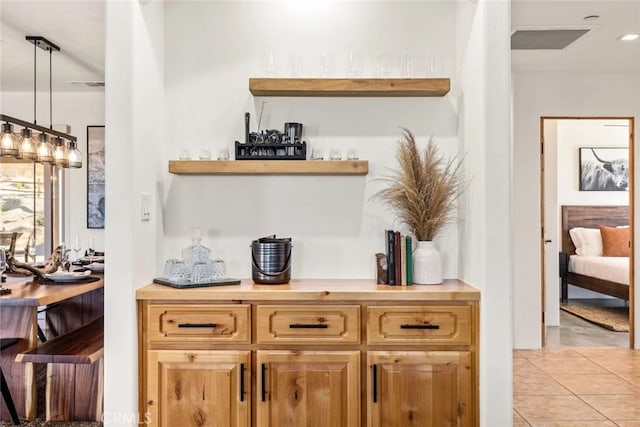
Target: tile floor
582 384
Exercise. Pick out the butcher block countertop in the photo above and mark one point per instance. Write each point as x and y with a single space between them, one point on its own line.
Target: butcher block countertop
315 290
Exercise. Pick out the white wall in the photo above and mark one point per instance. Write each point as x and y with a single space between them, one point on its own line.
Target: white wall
573 134
78 110
485 232
560 95
134 141
335 226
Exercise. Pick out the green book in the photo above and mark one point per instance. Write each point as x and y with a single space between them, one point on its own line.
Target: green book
409 260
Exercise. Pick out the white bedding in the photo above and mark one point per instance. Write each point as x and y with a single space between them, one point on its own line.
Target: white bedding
614 269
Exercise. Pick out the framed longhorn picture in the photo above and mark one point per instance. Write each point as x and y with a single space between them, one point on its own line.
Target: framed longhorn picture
604 169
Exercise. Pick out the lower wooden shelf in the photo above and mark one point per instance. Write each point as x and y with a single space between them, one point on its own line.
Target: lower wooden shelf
269 167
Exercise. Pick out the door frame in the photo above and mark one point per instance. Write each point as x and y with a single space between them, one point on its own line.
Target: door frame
631 121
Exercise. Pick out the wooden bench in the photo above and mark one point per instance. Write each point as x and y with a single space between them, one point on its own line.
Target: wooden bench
74 372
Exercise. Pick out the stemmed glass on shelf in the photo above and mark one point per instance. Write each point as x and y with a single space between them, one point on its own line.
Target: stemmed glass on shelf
31 248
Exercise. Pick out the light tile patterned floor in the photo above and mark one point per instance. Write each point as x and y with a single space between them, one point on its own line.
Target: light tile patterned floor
575 381
576 386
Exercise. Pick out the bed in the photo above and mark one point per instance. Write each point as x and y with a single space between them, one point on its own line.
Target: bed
579 271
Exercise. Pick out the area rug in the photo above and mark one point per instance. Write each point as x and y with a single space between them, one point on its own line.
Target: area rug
613 318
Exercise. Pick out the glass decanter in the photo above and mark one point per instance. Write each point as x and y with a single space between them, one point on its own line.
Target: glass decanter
196 253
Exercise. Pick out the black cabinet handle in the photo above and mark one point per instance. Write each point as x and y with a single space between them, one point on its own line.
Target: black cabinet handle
308 326
406 326
197 325
375 383
264 382
242 382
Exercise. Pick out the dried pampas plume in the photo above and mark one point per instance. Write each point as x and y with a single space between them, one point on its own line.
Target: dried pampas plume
423 189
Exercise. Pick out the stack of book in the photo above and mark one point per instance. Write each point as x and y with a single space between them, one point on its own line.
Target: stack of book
399 258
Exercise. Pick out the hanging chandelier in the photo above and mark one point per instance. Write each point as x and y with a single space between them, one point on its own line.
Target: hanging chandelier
38 143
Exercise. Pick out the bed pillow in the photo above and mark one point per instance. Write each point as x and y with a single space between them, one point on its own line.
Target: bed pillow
588 241
615 241
575 234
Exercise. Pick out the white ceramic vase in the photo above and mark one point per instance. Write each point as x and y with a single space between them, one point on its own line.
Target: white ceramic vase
427 264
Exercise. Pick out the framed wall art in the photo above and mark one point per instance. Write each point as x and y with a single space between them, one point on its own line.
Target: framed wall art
604 169
95 177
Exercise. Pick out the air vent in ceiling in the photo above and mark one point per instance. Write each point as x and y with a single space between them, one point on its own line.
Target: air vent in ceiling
88 83
545 39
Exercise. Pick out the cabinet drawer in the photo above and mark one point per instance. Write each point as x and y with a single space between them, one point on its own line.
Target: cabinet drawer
198 322
308 324
419 325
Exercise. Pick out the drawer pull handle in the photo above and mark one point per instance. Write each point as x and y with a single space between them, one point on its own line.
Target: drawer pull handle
263 381
375 383
197 325
242 382
308 326
406 326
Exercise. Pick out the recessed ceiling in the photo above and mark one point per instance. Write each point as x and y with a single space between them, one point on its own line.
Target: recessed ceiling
597 51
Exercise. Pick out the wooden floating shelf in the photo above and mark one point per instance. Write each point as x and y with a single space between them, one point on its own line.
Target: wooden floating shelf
269 167
350 87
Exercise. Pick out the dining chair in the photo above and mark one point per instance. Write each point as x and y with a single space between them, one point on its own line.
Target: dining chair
4 387
8 241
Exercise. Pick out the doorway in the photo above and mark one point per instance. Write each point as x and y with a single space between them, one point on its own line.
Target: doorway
568 147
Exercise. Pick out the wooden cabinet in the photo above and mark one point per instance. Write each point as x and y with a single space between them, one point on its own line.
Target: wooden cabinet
308 388
198 323
429 324
296 324
339 353
198 388
417 388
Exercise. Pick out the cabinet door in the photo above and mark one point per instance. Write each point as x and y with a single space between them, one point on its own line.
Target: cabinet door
419 388
198 388
308 388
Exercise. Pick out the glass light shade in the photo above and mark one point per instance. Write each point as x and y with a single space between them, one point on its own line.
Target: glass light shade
44 149
9 144
75 156
27 145
60 153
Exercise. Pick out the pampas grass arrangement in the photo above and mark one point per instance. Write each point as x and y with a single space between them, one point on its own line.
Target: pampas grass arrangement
424 188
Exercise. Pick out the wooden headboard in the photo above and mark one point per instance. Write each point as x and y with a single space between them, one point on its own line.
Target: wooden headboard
590 217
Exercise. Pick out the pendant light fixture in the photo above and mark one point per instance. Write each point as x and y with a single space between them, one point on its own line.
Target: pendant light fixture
60 153
75 156
48 146
9 146
27 145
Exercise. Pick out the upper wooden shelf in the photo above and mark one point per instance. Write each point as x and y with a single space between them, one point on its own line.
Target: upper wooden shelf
350 87
269 167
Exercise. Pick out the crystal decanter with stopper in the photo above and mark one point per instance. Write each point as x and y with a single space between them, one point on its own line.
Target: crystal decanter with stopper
196 253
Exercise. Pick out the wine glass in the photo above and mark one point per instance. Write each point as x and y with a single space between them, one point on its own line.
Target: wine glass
76 245
3 262
91 249
31 248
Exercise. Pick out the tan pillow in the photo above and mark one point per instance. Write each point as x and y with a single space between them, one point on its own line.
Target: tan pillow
615 241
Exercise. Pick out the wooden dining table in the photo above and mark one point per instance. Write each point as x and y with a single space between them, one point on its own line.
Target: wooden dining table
67 306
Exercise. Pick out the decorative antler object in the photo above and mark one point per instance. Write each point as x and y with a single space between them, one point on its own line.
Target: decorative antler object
50 266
